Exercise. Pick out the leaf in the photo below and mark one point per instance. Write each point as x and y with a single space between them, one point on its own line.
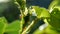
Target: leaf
41 12
3 22
47 30
54 3
56 12
54 20
45 13
14 27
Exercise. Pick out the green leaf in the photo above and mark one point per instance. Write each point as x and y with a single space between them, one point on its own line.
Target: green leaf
47 30
45 13
2 25
41 12
14 27
54 3
54 20
56 12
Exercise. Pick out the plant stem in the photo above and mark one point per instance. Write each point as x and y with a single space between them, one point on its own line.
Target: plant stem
24 32
21 5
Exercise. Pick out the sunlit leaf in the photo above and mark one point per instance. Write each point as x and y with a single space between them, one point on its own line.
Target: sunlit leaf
3 22
47 30
14 27
54 3
41 12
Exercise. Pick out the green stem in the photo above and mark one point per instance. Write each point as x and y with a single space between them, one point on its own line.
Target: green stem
24 32
21 5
